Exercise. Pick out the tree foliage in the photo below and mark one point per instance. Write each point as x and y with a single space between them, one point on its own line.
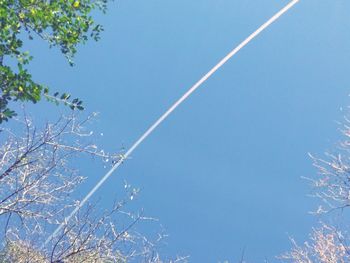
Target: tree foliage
326 245
38 177
330 241
61 23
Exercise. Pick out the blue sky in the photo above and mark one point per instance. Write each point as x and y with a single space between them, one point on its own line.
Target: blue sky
224 171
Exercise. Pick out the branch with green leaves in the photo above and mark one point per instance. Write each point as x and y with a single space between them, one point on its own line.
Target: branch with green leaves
61 23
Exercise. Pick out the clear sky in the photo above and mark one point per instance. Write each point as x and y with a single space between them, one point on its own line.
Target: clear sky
224 171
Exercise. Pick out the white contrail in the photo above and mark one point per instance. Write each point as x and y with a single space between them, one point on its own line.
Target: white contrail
170 110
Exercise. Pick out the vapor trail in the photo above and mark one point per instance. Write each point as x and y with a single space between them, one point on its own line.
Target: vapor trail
170 110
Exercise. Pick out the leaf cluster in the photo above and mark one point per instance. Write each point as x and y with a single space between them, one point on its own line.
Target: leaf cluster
61 23
65 99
